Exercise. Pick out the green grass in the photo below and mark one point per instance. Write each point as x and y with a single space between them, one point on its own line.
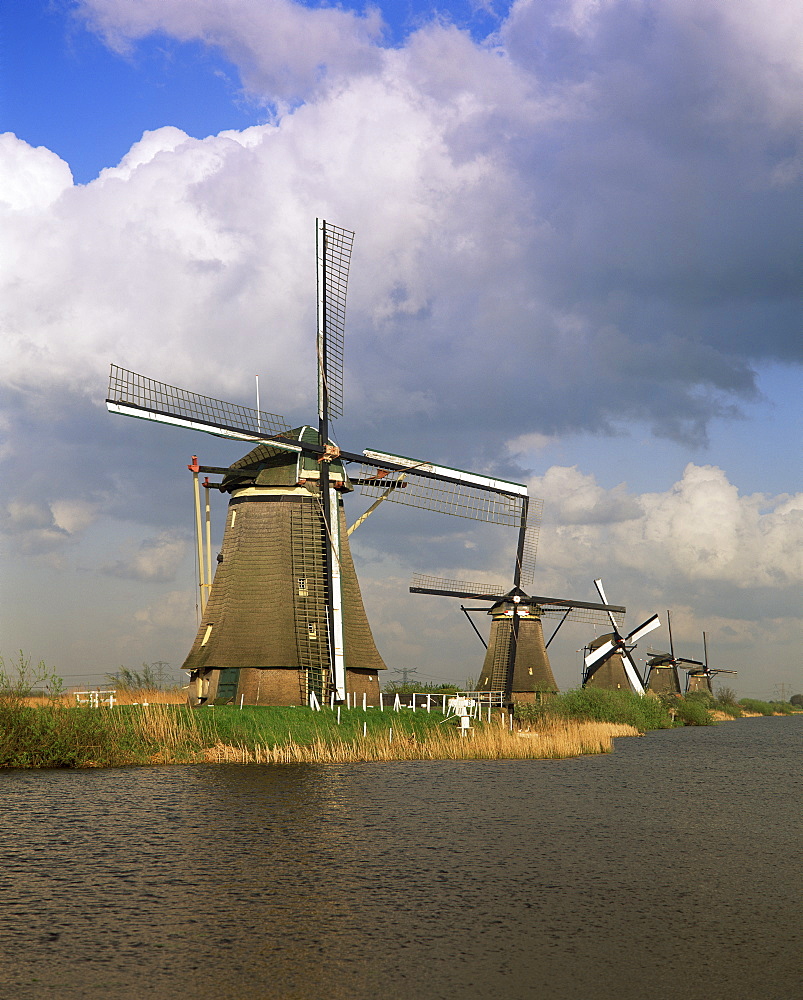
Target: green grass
597 705
254 726
58 735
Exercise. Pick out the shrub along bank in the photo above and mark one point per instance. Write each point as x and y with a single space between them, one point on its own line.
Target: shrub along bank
645 713
768 707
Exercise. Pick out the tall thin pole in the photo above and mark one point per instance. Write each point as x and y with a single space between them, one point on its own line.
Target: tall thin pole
194 469
208 542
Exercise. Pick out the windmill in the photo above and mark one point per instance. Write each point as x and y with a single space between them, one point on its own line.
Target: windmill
284 619
699 678
662 668
516 661
609 663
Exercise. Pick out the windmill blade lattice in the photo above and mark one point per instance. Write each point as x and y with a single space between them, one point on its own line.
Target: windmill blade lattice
435 584
129 393
463 498
333 258
535 512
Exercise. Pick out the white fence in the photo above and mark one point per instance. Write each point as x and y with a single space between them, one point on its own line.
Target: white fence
94 699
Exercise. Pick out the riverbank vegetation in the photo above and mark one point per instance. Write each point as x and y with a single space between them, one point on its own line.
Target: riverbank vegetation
42 726
58 735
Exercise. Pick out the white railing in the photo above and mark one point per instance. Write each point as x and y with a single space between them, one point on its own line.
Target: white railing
94 699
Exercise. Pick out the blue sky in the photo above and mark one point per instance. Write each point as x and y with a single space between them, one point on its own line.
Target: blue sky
577 264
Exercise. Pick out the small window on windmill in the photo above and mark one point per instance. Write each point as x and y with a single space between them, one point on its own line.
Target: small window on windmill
302 587
233 517
312 630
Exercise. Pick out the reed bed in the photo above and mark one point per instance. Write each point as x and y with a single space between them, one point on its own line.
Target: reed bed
58 735
489 742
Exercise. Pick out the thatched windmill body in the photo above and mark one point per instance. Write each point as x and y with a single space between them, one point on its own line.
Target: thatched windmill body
608 663
516 665
284 618
663 668
700 678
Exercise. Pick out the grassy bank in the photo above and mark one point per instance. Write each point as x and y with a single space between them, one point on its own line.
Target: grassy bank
649 712
60 736
150 727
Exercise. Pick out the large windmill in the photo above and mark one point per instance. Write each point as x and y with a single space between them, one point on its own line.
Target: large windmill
699 678
609 664
284 618
516 662
662 668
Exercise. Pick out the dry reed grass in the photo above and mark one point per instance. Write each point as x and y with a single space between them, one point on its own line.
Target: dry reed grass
139 696
135 696
554 740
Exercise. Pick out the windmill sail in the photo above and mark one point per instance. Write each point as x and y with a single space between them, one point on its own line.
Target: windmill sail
138 396
530 546
333 255
609 663
442 489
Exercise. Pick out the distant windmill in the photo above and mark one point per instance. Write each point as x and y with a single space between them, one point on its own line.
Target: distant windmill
662 668
699 678
284 619
609 664
516 661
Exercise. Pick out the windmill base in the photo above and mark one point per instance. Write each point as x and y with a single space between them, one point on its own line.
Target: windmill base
270 686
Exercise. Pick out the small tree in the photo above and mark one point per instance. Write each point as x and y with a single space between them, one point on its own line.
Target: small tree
726 695
20 680
796 700
151 677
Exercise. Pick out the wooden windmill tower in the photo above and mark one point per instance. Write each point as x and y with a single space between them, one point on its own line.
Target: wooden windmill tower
284 619
699 678
516 664
608 663
662 668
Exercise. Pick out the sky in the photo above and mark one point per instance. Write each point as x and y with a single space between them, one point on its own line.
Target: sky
577 265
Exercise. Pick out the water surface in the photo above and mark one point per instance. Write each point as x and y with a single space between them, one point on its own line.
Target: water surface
671 868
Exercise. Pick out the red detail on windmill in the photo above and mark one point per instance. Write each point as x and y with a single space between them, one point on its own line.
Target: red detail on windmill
330 452
195 467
